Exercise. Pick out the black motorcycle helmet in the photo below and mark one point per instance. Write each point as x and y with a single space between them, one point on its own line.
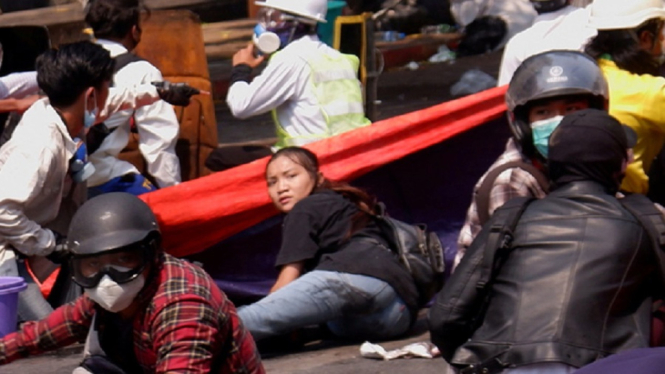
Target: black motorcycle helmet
114 234
546 6
548 75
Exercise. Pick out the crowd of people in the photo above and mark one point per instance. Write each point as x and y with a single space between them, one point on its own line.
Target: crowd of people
559 263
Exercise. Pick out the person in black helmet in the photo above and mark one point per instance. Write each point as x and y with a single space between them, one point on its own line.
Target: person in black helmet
559 26
142 309
576 281
544 88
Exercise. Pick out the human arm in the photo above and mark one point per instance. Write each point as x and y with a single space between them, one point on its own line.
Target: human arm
144 94
191 335
66 325
158 129
278 83
18 85
25 170
288 274
17 105
509 184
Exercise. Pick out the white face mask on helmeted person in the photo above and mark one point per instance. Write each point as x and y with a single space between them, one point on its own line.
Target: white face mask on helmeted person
115 297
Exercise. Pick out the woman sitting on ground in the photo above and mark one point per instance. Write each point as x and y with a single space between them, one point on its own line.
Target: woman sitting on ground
334 264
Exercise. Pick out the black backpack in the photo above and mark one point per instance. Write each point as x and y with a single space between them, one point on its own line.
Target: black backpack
418 250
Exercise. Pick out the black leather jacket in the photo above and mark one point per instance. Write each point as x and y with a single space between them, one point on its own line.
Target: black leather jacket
576 286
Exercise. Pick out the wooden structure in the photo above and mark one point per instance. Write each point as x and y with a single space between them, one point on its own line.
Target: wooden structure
65 22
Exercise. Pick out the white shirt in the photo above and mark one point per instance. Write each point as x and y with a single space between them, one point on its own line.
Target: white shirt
564 29
34 177
518 14
284 85
18 85
157 125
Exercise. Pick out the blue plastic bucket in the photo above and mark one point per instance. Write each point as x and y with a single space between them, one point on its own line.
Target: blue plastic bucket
326 31
9 289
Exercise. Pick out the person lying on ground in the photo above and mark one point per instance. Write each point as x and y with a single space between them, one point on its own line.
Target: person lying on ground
575 281
335 267
544 88
40 190
142 310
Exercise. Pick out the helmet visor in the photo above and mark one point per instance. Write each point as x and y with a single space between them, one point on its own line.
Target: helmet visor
121 265
272 18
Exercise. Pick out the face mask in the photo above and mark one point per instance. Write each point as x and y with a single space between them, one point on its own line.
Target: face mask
542 130
115 297
89 117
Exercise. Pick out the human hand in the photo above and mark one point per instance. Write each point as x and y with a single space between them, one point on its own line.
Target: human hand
176 93
248 57
60 254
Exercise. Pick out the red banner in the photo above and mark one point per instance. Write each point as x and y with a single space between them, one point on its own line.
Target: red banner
200 213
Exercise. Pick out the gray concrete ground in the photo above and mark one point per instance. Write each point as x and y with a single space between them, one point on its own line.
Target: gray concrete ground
320 357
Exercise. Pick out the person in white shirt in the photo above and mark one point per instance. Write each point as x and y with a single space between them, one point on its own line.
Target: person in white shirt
312 89
38 189
34 163
517 14
559 26
116 25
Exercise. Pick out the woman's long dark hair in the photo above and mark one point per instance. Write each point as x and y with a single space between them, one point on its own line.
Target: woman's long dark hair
624 48
307 159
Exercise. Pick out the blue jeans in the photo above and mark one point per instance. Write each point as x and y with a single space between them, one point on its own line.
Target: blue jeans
135 184
353 306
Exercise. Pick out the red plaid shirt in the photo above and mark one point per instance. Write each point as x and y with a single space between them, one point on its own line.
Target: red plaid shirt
186 324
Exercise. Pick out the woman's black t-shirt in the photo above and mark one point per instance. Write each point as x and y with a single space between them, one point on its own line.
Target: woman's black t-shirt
316 230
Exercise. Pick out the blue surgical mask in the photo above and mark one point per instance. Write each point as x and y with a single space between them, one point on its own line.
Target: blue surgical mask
541 131
89 116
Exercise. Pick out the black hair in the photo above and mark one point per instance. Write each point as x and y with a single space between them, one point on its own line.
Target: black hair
482 35
113 19
64 73
624 48
307 159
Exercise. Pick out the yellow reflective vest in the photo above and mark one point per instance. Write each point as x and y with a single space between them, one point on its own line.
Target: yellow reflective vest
335 84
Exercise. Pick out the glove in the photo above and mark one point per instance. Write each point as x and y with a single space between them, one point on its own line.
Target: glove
175 93
60 254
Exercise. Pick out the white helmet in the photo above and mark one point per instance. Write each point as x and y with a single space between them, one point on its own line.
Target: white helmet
624 14
312 10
